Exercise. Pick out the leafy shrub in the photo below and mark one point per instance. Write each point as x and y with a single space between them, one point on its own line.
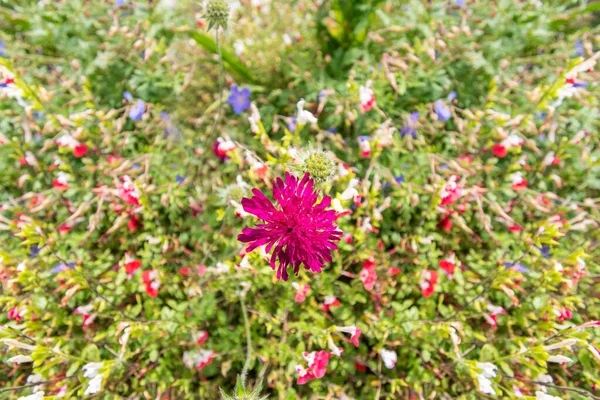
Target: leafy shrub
456 140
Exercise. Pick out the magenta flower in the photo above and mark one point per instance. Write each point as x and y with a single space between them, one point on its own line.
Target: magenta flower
300 229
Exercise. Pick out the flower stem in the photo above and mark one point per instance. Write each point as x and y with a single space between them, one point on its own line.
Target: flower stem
249 343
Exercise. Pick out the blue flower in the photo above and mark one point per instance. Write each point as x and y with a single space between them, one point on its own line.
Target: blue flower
239 99
291 124
127 96
460 3
38 115
580 84
451 96
545 250
34 251
164 115
399 179
322 94
2 47
135 114
332 130
63 267
179 179
410 128
579 50
119 3
442 111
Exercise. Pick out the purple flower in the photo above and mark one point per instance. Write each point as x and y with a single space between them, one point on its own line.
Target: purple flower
179 179
460 3
2 47
119 3
399 179
135 114
579 50
410 128
580 84
291 124
239 99
516 266
127 96
451 96
545 250
63 267
300 229
442 111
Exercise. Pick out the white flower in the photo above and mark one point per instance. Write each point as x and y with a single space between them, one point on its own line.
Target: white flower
35 396
304 116
91 369
287 40
512 141
239 47
254 118
488 370
94 385
350 191
389 358
336 351
559 359
544 396
19 359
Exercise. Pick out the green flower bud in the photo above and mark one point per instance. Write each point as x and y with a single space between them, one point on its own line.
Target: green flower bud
318 163
217 14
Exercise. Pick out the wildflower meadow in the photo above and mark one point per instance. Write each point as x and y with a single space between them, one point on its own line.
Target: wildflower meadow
304 199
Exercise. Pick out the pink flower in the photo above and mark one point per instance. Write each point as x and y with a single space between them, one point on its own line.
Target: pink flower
330 301
129 192
451 191
15 314
301 292
198 358
428 281
353 331
368 276
317 366
301 231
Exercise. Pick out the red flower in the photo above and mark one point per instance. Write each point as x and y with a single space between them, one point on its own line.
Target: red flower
428 281
201 337
330 301
447 265
151 282
185 271
80 150
132 266
133 223
445 223
499 150
65 228
360 367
